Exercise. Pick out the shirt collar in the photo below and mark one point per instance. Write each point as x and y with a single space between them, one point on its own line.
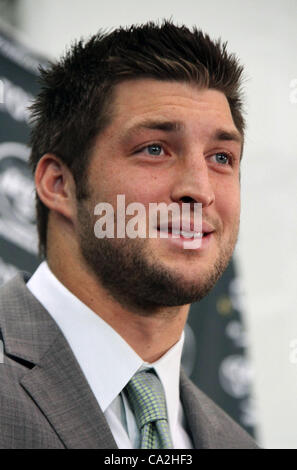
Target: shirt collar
106 359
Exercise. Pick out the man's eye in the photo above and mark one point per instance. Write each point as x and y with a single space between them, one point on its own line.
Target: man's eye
154 150
222 158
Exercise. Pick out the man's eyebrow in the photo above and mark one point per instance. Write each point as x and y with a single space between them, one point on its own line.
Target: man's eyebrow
158 125
222 134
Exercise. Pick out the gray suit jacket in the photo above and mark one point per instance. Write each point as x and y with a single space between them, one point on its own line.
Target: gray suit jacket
46 402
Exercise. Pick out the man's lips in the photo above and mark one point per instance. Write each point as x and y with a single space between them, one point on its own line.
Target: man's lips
186 230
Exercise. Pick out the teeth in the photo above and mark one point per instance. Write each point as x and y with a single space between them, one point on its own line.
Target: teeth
191 234
185 233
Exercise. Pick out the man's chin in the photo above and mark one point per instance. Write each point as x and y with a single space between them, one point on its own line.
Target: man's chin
163 289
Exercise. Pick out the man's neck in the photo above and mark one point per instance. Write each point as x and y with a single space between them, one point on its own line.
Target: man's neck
150 335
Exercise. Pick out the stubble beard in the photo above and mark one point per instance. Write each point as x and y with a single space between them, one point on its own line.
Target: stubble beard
131 274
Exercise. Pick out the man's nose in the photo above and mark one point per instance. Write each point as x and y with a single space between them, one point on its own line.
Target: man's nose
193 184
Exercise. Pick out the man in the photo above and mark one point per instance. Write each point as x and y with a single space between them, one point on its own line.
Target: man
93 339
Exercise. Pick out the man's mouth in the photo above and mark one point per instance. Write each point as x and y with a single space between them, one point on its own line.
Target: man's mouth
172 231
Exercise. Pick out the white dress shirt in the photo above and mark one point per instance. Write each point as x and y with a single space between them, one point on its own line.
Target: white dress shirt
108 361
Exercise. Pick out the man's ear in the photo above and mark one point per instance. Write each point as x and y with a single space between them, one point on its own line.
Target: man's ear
55 185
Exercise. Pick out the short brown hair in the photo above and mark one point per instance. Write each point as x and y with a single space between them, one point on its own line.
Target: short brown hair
72 106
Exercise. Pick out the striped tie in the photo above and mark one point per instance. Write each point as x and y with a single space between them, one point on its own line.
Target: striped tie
147 400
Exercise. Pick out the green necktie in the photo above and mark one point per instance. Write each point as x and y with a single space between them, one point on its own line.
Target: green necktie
147 400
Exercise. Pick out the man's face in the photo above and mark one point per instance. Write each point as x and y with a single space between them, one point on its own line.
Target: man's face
167 142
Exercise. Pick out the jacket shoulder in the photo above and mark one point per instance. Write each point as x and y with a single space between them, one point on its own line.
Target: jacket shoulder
22 424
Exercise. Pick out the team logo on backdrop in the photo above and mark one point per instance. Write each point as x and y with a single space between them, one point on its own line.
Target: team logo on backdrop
235 375
15 100
17 205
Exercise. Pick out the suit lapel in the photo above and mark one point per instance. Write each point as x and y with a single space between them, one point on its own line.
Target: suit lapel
201 429
60 390
55 383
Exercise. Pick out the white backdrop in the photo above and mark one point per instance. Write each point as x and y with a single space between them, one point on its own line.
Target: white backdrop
263 35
